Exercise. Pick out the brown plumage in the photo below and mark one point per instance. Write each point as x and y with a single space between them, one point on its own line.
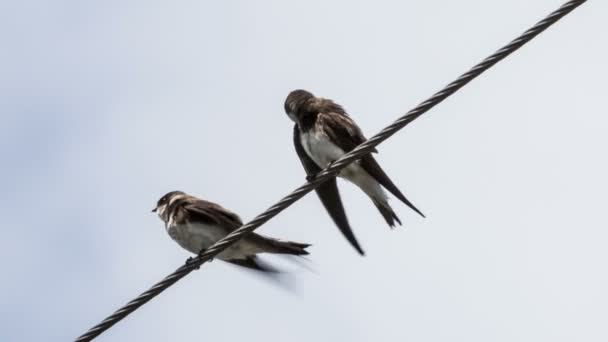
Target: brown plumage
196 224
322 134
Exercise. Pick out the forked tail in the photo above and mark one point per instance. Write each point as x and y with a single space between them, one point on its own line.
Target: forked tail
387 212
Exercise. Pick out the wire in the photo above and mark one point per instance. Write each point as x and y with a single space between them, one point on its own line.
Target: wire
329 172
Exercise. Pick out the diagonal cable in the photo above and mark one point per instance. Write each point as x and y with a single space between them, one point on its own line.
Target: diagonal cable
330 171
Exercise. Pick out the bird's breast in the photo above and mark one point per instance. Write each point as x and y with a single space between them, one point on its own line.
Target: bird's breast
195 236
320 148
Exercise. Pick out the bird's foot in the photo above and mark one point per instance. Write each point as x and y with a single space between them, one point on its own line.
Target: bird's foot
330 164
200 254
190 261
310 178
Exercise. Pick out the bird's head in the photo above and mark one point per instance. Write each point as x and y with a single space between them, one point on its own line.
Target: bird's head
163 203
296 102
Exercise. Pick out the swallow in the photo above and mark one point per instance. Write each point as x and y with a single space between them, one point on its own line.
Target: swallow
324 132
196 224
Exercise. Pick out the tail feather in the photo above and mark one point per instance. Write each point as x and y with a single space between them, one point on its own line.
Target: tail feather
387 212
373 168
254 263
287 247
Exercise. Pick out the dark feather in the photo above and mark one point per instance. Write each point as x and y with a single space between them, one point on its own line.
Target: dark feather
341 130
387 212
197 210
328 194
281 247
347 135
254 264
369 164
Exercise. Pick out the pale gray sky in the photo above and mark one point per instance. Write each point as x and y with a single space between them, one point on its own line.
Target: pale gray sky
106 106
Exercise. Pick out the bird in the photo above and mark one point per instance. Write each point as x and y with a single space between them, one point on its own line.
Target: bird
196 224
324 132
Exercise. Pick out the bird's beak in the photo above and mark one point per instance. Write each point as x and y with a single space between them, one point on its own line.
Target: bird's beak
154 210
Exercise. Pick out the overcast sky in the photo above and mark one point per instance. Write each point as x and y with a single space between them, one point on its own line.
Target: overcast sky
107 105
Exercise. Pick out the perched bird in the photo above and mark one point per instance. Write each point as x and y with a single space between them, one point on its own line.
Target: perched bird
196 224
323 133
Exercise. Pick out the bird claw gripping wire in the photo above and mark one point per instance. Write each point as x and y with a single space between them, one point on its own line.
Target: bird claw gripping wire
190 261
312 177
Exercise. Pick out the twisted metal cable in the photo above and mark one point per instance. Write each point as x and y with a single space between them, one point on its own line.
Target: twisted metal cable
329 172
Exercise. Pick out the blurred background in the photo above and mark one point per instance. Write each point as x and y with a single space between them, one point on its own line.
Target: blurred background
106 106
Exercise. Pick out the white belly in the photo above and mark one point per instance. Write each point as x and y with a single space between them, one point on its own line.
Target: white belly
196 237
320 149
323 152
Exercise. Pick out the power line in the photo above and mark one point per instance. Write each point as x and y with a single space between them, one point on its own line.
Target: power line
329 172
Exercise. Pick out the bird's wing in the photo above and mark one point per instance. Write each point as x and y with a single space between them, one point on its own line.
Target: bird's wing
369 164
341 130
253 263
328 193
212 213
346 134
